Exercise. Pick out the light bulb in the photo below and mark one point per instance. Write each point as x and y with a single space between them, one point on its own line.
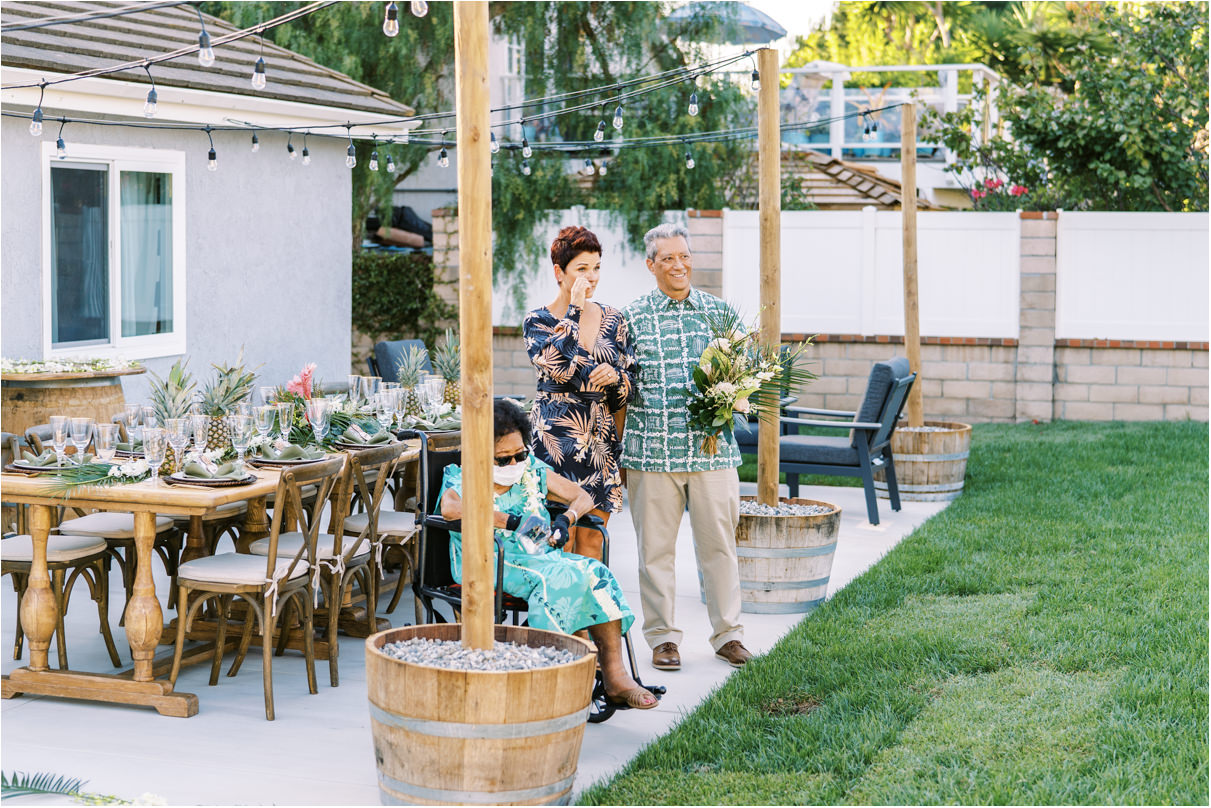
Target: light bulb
256 142
149 109
391 21
525 167
492 144
443 158
756 80
351 156
689 160
212 161
61 149
205 52
390 164
374 160
419 8
599 135
589 168
618 118
526 151
693 110
35 124
290 151
258 74
306 156
603 169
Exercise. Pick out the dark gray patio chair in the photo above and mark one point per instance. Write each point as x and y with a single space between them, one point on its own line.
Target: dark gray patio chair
746 430
387 355
865 450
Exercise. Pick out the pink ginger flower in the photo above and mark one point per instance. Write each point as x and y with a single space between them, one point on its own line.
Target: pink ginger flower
301 384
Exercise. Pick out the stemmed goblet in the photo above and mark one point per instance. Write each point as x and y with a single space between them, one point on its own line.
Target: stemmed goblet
285 419
264 420
241 436
178 438
435 390
384 408
155 444
355 386
399 402
60 433
133 414
268 393
371 385
198 423
149 416
318 414
106 442
81 434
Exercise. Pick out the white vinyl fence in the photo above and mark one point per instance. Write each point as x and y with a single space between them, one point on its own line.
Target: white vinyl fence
842 271
1137 276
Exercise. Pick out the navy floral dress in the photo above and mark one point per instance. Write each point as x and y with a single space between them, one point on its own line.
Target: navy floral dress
565 591
573 419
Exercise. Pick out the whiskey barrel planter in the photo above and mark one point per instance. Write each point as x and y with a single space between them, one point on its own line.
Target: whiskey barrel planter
785 561
931 464
32 398
458 737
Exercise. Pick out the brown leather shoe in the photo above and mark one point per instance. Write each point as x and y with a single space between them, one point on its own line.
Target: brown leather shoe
734 653
665 657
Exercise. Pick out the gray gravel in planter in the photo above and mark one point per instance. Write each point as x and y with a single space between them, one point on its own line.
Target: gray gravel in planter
504 656
748 508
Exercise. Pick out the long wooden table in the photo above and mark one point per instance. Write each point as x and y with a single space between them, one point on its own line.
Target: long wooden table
144 616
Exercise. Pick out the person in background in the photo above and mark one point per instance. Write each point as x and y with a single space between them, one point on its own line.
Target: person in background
586 375
665 465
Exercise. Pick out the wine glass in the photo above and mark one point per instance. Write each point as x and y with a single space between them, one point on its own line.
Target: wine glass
268 393
318 414
399 401
264 420
371 385
384 408
133 412
285 419
149 417
178 437
107 442
241 436
60 433
155 444
198 424
81 434
355 386
435 388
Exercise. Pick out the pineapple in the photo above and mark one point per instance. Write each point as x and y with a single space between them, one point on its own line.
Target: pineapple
446 362
231 385
410 372
171 398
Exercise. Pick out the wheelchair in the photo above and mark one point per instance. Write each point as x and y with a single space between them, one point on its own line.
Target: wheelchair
435 582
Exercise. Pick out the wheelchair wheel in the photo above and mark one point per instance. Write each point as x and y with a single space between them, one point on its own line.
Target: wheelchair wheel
600 707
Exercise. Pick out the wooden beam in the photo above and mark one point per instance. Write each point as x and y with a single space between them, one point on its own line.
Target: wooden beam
769 145
908 206
475 314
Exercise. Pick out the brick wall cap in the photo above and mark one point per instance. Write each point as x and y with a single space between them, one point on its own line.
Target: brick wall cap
1050 215
704 214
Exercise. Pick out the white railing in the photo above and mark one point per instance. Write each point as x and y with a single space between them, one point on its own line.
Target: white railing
1138 276
842 271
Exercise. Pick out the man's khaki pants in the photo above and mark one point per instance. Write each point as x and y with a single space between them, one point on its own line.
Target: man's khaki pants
657 502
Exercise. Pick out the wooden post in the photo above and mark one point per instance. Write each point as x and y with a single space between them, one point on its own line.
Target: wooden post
908 207
769 150
475 314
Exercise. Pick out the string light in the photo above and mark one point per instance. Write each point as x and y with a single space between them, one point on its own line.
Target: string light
599 135
492 144
351 152
526 151
693 108
589 168
443 158
212 159
391 20
256 143
258 70
618 117
756 80
525 167
390 162
603 170
35 124
60 146
306 151
689 158
374 154
149 109
205 52
419 8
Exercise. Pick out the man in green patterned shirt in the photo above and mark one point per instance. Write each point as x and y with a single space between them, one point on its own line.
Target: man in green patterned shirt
665 464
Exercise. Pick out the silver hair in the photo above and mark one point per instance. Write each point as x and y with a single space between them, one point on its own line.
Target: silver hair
663 231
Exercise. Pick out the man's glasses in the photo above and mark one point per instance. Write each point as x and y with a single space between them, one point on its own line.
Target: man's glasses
513 458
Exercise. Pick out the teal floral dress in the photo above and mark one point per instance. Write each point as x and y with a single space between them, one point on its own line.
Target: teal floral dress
566 592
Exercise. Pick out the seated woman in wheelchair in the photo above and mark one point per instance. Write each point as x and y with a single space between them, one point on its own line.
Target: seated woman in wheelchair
565 592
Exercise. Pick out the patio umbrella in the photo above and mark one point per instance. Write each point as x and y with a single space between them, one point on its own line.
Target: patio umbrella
724 22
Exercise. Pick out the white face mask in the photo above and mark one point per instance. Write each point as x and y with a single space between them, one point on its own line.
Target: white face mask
508 475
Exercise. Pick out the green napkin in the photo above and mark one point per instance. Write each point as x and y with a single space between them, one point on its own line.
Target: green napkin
291 452
47 458
226 471
131 446
382 436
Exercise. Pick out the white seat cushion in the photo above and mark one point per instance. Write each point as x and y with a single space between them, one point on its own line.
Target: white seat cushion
58 547
235 568
109 525
289 544
393 523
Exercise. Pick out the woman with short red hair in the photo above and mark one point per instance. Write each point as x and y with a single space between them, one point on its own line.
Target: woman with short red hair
586 375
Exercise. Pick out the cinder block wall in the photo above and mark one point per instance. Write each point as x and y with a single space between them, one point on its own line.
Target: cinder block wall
974 379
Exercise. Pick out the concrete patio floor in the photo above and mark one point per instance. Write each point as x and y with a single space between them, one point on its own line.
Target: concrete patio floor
319 751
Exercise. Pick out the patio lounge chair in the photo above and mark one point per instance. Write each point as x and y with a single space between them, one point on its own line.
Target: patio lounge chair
866 449
384 362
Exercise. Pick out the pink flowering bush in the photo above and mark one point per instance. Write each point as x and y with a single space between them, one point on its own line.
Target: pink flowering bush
992 194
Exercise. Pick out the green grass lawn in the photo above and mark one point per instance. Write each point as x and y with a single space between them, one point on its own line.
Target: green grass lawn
1043 640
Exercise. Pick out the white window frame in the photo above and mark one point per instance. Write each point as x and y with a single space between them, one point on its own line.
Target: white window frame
118 159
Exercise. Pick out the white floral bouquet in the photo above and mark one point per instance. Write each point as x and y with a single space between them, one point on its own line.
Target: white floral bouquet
738 375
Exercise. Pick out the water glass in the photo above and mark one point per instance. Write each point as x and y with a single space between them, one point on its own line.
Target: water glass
435 390
149 417
107 442
399 400
133 412
155 444
241 436
384 408
264 420
355 386
81 434
178 437
285 419
60 433
318 415
371 386
268 394
198 423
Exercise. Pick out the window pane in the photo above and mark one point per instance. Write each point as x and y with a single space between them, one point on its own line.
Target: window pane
79 255
146 253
